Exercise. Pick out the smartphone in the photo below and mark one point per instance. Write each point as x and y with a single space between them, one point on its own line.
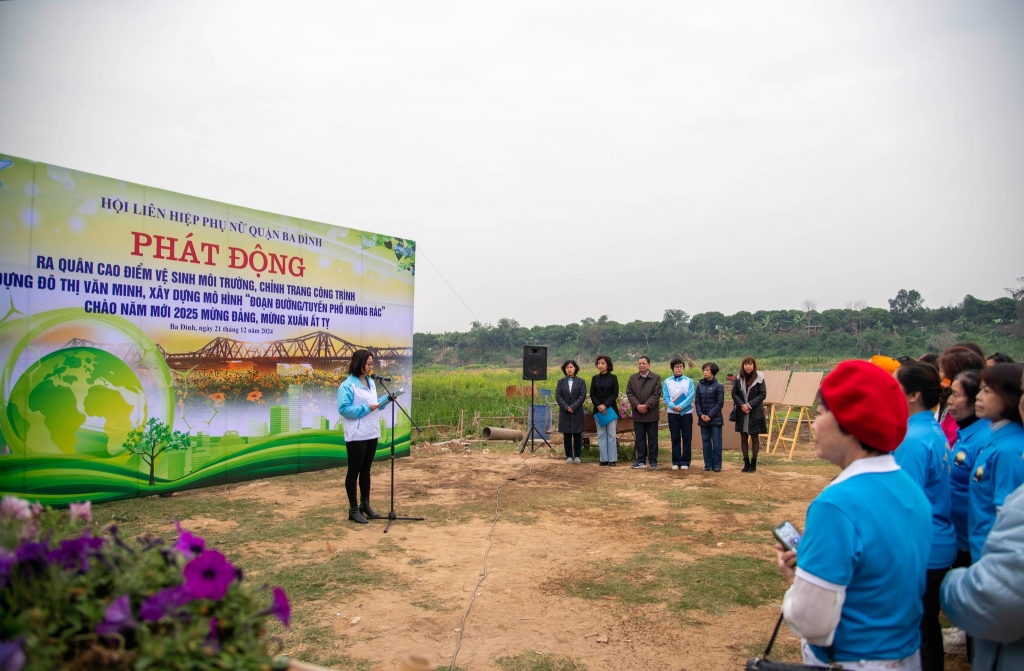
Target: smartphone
787 535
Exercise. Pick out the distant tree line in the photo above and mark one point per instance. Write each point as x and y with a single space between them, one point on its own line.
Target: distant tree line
907 327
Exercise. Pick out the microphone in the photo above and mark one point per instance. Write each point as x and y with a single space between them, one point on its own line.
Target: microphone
380 378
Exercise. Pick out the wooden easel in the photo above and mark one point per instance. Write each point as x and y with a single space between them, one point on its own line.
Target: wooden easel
775 382
801 392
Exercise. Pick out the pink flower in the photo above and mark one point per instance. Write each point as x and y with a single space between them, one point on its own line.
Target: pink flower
81 511
208 575
13 508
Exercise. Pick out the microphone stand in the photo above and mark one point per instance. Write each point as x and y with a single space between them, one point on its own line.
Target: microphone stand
392 516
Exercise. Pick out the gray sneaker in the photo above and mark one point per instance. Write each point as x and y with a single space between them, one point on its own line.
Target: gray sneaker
639 464
654 467
568 460
577 460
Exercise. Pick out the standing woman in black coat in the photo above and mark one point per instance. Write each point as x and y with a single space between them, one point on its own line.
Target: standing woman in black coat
748 394
570 393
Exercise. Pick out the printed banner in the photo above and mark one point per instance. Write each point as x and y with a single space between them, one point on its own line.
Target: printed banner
152 341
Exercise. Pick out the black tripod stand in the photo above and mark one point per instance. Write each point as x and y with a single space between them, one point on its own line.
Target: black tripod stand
392 516
533 428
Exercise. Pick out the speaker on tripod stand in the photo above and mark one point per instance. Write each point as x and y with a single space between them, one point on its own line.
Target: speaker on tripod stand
535 367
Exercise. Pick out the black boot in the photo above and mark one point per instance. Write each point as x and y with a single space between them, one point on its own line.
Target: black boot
366 510
753 465
746 465
356 516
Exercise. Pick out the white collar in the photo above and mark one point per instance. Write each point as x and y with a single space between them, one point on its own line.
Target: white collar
999 424
881 464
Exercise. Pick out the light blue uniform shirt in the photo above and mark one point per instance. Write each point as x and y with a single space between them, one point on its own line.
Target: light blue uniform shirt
998 470
965 452
870 531
924 456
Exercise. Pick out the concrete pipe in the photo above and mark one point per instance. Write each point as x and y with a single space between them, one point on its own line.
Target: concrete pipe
496 433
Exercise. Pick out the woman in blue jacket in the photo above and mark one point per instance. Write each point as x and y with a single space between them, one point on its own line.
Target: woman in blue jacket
971 434
924 456
708 401
999 468
360 409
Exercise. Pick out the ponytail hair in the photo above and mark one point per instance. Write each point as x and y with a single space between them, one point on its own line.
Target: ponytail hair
920 377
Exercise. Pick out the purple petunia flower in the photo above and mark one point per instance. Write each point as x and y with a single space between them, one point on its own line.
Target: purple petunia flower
12 655
118 617
75 552
81 511
32 554
165 602
279 607
188 543
208 575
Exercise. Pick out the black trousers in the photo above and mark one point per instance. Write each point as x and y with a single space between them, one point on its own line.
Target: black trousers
680 428
573 444
933 658
646 442
360 458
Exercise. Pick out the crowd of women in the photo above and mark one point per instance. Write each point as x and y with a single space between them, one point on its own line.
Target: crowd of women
645 392
926 515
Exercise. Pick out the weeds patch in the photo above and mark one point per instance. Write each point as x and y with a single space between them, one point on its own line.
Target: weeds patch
538 661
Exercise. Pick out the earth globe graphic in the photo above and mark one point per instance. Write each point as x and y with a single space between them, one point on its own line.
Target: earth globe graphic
77 400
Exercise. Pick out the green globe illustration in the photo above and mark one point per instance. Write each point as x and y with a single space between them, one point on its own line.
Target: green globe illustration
78 400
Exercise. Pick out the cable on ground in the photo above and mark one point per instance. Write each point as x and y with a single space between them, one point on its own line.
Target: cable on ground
483 576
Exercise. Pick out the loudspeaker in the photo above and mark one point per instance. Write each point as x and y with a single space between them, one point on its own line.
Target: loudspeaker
535 362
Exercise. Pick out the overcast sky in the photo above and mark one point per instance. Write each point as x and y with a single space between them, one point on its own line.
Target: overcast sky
560 160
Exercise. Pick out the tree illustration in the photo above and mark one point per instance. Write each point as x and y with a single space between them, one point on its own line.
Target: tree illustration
152 440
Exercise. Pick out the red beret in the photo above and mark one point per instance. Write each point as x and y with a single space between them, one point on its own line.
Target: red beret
868 403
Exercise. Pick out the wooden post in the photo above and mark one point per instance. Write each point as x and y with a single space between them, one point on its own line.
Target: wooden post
782 430
461 417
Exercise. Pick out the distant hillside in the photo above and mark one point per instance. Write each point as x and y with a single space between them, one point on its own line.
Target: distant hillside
907 327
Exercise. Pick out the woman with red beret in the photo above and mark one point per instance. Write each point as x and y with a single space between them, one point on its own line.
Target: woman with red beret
858 576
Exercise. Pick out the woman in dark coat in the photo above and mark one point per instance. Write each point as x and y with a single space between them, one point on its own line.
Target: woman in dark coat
748 394
570 393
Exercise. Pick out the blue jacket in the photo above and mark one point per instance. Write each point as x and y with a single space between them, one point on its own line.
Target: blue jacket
924 456
987 599
672 387
708 400
354 398
969 441
998 471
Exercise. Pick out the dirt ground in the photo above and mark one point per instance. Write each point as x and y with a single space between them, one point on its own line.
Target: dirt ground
592 567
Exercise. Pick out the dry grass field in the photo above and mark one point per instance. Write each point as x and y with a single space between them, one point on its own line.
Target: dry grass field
591 567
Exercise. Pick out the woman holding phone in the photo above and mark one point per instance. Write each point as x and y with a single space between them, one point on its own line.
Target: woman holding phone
360 408
858 576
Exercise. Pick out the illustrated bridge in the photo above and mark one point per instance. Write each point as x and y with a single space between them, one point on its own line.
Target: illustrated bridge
320 349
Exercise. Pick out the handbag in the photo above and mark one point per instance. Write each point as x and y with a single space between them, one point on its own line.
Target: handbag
732 414
606 417
762 663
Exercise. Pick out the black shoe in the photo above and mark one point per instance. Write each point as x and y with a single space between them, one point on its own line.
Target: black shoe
717 470
613 463
753 465
707 468
356 516
603 463
366 510
746 465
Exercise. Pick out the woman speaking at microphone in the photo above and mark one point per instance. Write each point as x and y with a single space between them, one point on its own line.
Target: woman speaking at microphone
360 409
